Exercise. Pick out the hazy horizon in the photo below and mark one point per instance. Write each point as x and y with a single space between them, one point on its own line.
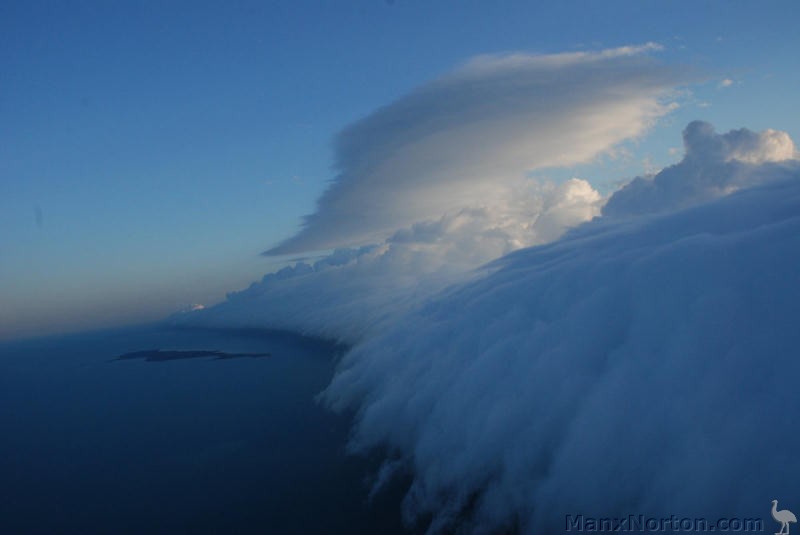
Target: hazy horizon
150 154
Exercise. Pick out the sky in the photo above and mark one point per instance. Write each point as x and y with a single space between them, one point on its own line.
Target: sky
149 153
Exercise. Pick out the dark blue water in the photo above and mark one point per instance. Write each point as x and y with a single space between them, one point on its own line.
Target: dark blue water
200 445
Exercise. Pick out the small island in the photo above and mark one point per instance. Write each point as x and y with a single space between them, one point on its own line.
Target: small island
158 355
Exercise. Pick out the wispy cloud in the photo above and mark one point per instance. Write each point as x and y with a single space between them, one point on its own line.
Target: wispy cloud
462 138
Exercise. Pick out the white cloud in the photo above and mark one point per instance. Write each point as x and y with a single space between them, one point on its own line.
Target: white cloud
714 165
353 292
595 375
463 138
636 366
727 82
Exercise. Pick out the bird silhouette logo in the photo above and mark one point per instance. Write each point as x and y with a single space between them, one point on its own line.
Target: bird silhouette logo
783 517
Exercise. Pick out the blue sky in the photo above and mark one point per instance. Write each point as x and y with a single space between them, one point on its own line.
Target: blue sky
149 152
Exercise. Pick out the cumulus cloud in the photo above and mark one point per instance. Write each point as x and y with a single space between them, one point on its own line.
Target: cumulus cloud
466 137
353 291
713 165
636 366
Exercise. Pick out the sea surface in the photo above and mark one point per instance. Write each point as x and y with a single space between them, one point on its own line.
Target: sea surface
185 444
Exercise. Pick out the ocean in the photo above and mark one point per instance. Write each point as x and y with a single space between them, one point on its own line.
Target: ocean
170 441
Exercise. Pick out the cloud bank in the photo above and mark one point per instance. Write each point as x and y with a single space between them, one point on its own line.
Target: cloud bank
636 366
641 363
467 137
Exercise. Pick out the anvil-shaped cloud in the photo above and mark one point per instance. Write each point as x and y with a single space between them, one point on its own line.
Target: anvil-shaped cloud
597 374
640 363
461 139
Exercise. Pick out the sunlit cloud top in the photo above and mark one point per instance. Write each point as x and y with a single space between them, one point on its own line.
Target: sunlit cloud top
457 140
